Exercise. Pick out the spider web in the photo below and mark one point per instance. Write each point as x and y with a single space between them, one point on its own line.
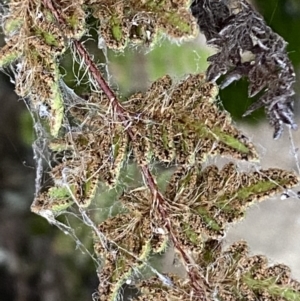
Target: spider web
105 206
90 217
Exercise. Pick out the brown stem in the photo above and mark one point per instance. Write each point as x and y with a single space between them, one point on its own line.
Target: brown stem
124 118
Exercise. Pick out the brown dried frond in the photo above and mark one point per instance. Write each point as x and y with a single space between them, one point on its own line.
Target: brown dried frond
232 275
181 124
139 22
39 41
204 202
141 204
237 276
248 47
92 150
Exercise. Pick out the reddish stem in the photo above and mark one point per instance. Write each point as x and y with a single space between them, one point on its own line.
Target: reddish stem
123 117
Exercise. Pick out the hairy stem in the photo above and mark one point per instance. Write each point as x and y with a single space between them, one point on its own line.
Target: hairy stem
149 179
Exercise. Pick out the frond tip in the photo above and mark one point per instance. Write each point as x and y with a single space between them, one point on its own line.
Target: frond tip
248 47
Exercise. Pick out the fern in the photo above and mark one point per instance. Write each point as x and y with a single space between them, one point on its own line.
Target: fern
166 134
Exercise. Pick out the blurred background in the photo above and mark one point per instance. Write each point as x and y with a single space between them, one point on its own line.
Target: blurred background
39 262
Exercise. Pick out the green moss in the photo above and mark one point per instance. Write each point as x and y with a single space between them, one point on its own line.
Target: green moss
61 198
76 24
209 221
49 16
261 187
191 234
117 141
154 5
116 28
73 21
8 57
217 134
245 193
208 256
12 25
50 39
231 141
